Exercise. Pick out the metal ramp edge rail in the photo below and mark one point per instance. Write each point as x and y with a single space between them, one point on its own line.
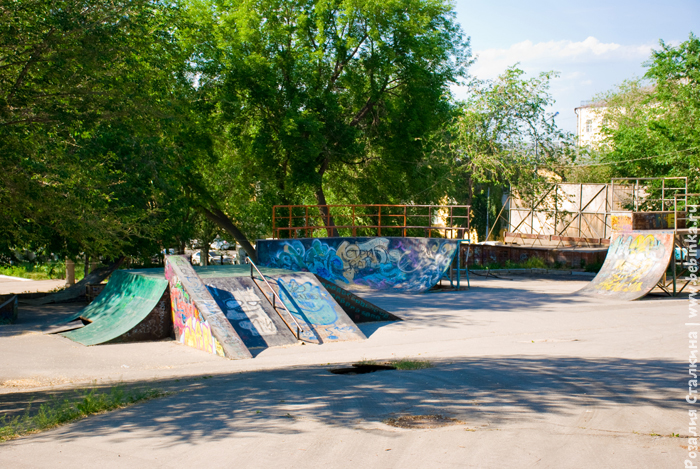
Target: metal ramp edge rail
276 298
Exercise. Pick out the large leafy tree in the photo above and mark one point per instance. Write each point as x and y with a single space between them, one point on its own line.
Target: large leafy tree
652 126
86 93
320 97
504 138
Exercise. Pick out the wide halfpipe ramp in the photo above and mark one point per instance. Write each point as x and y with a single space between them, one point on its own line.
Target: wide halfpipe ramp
133 306
400 264
635 263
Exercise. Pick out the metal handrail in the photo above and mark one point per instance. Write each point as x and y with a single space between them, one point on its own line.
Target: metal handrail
399 217
275 296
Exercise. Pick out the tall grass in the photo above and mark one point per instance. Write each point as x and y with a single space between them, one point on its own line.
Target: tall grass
58 412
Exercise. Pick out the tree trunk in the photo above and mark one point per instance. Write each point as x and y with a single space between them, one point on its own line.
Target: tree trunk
222 220
325 213
78 290
323 208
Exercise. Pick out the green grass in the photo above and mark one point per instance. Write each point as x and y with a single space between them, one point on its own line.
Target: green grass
409 364
405 364
46 271
57 412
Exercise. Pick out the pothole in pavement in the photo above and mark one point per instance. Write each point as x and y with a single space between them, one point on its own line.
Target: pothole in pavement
361 368
422 421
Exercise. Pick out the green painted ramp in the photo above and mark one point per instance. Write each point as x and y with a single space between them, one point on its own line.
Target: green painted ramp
126 301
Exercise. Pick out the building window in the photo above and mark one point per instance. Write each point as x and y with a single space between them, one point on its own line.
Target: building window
589 126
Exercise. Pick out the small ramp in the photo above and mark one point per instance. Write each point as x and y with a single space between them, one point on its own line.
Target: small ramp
309 301
635 263
133 306
250 314
247 301
198 321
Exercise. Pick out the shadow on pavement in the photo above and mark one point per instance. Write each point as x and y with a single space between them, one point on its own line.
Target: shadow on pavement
494 391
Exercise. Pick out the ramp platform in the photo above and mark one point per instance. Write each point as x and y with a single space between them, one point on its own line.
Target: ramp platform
635 263
197 319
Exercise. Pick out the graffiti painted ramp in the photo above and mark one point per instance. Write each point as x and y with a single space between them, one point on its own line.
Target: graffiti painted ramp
250 313
133 306
635 263
198 321
309 301
411 265
358 309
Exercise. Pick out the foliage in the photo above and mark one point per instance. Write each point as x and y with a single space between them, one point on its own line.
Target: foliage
503 137
651 126
57 412
323 99
85 94
42 271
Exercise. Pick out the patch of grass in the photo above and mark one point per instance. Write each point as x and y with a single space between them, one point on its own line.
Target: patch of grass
41 271
594 268
534 263
405 364
60 412
408 364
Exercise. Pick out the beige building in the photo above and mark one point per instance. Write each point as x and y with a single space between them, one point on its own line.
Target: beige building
589 121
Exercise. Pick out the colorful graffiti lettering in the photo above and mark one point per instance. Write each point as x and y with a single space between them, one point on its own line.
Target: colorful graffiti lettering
405 264
634 264
316 305
190 328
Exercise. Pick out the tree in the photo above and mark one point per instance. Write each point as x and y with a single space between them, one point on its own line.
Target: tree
313 94
84 96
504 138
652 126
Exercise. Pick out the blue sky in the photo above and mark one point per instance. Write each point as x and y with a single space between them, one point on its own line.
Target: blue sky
593 44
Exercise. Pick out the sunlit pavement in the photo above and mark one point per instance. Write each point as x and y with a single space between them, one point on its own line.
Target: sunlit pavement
533 375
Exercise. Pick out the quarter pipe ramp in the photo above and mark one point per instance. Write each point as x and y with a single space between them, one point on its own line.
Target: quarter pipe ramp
399 264
133 306
635 263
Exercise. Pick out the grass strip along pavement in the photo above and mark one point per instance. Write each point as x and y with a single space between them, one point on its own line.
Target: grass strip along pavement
58 412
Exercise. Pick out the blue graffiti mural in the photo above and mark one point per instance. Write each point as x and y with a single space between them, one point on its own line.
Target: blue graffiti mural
405 264
317 305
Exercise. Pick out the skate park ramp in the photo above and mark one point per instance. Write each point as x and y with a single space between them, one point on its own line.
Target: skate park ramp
411 265
134 305
357 308
635 263
198 321
247 303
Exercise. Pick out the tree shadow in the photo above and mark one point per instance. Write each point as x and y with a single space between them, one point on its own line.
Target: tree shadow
489 391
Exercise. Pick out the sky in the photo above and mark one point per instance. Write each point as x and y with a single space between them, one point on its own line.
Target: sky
594 45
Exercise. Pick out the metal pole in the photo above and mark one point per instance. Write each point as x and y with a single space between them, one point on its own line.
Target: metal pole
404 221
488 207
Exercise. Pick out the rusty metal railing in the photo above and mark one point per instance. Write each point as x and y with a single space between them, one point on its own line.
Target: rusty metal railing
296 221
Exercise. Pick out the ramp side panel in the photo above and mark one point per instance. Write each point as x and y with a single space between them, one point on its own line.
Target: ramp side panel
309 301
250 314
197 319
364 264
357 308
127 299
635 263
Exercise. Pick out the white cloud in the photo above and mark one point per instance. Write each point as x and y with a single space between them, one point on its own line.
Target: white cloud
549 55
